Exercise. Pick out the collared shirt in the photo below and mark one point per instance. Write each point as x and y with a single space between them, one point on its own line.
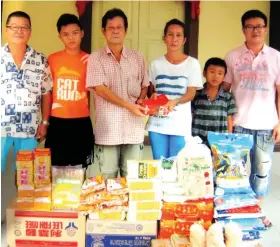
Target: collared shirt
211 115
21 92
115 125
253 83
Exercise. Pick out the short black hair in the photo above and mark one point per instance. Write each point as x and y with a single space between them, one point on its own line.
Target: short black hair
112 13
18 14
254 13
67 19
217 62
174 22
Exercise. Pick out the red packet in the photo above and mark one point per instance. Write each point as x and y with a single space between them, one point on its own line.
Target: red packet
155 106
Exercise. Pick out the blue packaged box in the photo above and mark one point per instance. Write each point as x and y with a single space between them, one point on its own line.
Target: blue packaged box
96 240
106 233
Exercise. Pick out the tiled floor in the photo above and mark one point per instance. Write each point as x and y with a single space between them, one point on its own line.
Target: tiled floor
271 237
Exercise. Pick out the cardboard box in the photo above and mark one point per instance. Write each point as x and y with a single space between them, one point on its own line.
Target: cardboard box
120 233
41 228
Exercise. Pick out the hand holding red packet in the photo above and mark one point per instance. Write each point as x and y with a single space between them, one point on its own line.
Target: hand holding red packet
156 106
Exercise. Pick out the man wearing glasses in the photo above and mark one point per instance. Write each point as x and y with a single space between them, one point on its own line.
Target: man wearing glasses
26 85
254 78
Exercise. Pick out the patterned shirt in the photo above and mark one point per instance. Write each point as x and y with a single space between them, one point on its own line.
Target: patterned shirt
211 115
21 91
115 125
253 84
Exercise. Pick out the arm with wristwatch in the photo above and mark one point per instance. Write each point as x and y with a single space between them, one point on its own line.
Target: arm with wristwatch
46 103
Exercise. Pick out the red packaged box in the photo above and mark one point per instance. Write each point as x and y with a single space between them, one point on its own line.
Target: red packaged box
156 106
190 211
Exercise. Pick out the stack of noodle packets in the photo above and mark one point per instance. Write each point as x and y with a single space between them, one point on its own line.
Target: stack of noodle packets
25 185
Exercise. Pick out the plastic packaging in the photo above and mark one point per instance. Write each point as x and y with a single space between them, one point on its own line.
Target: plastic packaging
235 201
231 154
117 186
42 166
197 235
169 169
215 236
93 184
195 170
24 163
233 235
66 187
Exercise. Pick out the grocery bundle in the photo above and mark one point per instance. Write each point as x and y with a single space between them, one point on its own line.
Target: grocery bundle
188 190
167 202
104 199
235 200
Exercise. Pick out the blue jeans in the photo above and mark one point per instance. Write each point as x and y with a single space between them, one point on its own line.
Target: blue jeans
19 144
166 145
261 159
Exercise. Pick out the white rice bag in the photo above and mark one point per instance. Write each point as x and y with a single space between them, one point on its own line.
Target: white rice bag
197 235
215 236
233 234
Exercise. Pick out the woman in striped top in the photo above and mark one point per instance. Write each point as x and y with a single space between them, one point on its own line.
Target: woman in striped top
176 75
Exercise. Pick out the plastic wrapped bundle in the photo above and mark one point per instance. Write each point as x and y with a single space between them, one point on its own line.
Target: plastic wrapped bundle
233 234
215 236
198 236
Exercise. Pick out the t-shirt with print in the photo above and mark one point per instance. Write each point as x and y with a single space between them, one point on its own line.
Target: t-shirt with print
70 98
211 115
173 80
253 83
21 92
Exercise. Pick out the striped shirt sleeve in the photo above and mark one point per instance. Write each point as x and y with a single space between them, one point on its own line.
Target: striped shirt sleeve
231 105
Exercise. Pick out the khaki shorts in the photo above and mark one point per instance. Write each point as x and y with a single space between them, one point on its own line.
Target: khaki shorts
112 159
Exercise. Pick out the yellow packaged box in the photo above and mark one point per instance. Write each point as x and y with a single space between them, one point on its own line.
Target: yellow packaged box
145 195
143 215
44 228
118 215
145 205
143 169
144 184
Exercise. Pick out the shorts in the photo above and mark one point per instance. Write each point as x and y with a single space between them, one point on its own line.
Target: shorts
112 159
19 144
71 141
261 159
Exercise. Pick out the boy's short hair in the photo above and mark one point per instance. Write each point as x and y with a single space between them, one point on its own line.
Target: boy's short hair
67 19
174 22
217 62
112 13
18 14
254 13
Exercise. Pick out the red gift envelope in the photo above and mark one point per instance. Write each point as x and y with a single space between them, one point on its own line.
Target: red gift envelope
156 106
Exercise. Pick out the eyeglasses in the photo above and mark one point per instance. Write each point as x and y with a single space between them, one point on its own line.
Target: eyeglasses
16 28
258 28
